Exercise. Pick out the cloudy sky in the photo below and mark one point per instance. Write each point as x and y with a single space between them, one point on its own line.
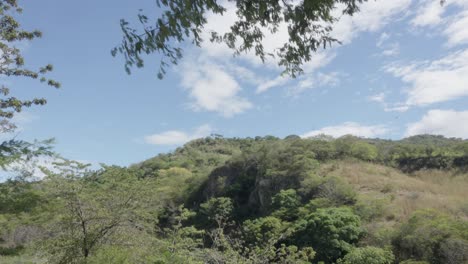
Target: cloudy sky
401 70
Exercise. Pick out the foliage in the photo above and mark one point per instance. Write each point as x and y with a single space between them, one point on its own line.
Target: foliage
330 231
89 208
368 255
219 210
309 27
18 151
12 65
432 237
264 230
12 62
333 189
253 200
286 204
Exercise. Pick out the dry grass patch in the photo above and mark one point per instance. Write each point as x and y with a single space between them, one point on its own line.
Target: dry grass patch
445 191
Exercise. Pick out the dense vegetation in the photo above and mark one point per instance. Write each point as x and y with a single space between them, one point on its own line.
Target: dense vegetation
253 200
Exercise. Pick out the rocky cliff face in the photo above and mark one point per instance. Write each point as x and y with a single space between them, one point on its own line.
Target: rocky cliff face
252 187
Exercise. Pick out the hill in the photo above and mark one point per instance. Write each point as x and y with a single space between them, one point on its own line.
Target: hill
253 200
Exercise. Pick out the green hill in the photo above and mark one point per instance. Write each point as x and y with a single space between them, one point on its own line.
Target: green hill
252 200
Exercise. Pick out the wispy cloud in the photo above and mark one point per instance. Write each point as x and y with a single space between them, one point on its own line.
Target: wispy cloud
456 32
177 137
449 123
379 98
350 128
372 18
429 13
434 81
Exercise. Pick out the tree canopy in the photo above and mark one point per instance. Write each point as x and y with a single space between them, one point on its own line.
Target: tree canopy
309 28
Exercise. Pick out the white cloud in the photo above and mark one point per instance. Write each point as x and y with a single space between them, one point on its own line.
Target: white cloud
437 81
278 81
23 118
393 49
448 123
457 30
212 88
396 108
350 128
176 137
388 49
429 13
316 80
383 37
222 24
21 122
379 98
319 59
373 16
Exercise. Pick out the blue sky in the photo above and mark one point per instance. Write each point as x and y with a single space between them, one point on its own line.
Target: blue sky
402 70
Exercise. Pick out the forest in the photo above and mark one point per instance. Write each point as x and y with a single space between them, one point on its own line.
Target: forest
249 200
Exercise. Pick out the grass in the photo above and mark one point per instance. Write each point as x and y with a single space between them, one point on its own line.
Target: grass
444 191
23 259
388 197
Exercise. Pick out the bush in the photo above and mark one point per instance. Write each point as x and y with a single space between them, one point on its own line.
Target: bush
332 188
329 231
286 204
217 210
410 261
453 251
368 255
433 237
262 231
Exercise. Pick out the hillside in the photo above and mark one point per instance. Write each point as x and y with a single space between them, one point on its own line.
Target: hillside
255 200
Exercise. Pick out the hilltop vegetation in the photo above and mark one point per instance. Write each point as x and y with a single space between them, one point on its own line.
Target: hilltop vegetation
253 200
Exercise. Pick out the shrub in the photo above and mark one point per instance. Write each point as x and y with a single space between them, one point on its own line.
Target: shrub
286 204
332 188
329 231
433 237
262 231
368 255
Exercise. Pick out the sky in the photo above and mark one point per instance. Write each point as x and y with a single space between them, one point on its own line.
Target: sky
401 70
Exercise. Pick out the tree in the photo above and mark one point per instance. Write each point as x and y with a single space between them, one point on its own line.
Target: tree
286 204
331 232
12 65
218 211
263 231
309 26
368 255
12 62
91 209
433 237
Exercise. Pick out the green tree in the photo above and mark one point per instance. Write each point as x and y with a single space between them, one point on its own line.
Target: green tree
12 64
286 204
218 210
329 231
89 209
263 231
433 237
368 255
309 27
